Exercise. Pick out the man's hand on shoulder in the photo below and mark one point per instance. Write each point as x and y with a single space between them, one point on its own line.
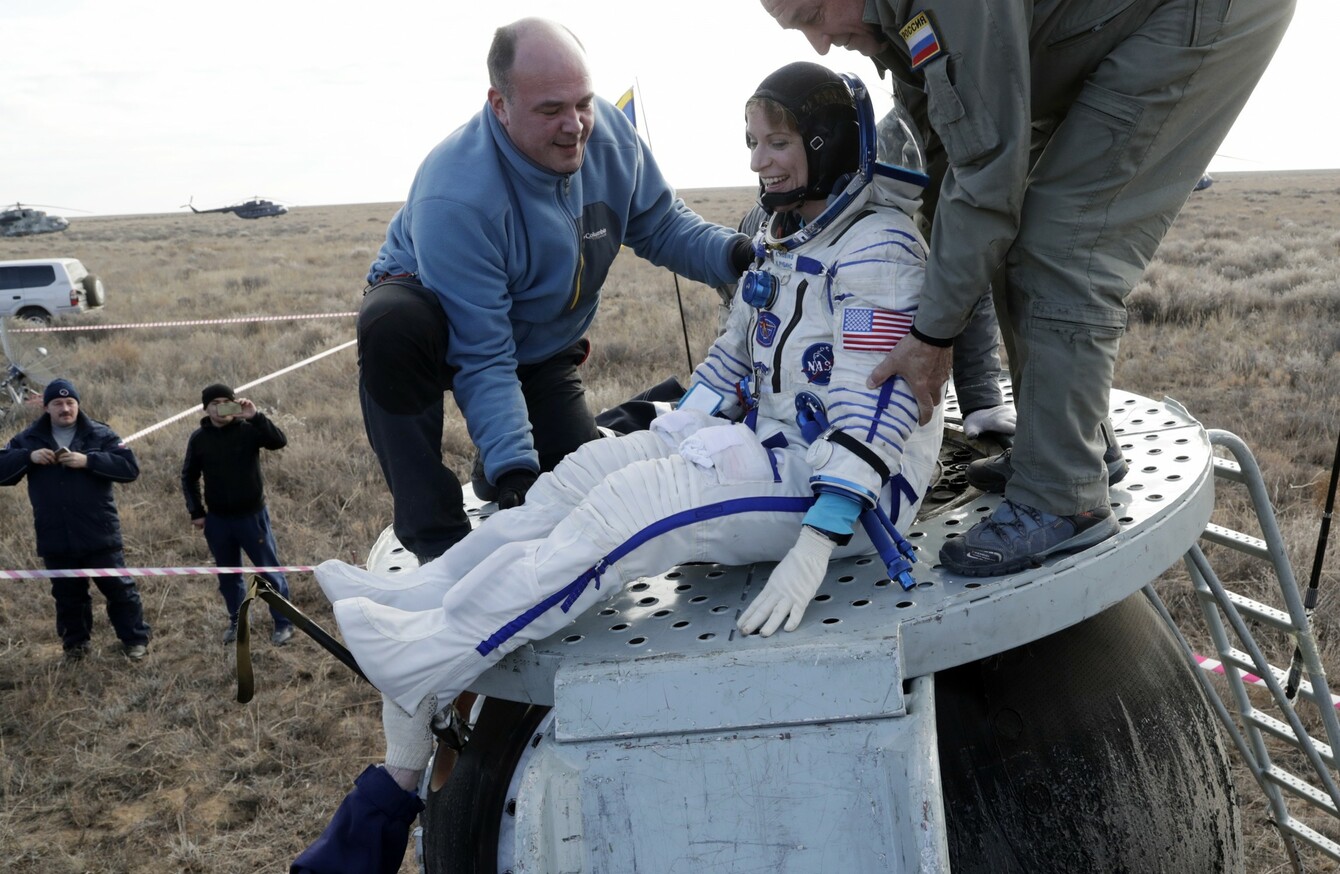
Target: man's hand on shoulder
925 367
512 488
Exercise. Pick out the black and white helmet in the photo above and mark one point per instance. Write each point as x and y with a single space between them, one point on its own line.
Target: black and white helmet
846 148
821 106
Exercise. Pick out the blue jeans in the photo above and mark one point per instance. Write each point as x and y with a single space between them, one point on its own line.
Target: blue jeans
74 607
228 537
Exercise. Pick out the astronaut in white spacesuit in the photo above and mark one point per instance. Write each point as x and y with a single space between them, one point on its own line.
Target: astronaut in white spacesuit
778 440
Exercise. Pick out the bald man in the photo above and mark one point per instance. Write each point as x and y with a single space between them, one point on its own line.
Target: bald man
485 287
491 273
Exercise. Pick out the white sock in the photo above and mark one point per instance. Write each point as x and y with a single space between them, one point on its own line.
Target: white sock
409 739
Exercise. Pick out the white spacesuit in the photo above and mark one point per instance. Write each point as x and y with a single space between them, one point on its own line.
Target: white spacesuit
787 417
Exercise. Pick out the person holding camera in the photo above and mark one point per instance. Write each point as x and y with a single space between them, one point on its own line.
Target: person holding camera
225 451
71 462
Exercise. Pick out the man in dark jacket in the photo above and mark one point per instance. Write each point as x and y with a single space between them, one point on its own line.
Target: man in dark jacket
226 450
71 462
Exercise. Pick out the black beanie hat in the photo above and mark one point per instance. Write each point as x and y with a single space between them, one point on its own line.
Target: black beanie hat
59 388
212 392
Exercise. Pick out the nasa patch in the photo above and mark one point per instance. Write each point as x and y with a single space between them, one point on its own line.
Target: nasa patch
817 363
766 330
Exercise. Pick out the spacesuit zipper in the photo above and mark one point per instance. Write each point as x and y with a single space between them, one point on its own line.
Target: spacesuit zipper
796 315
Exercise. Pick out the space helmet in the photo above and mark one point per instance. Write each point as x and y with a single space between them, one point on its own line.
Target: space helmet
820 104
845 146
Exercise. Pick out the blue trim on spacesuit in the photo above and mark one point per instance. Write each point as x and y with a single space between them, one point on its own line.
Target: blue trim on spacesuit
568 595
917 252
716 352
885 393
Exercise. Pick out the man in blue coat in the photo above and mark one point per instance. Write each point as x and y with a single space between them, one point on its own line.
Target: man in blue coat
71 461
491 273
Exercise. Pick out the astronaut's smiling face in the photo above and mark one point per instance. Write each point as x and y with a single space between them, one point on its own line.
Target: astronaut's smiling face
776 152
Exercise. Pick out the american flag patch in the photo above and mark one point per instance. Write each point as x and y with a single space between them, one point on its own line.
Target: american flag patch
865 329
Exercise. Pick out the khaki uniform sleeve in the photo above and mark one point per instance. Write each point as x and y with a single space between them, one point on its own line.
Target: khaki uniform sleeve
977 103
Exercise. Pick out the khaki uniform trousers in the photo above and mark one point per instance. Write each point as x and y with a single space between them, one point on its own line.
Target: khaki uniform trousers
1107 181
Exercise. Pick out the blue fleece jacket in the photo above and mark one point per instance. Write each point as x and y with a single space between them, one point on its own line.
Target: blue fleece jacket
517 254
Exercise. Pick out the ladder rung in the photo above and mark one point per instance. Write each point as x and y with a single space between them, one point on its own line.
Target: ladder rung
1243 662
1253 546
1265 613
1281 730
1312 837
1229 470
1300 788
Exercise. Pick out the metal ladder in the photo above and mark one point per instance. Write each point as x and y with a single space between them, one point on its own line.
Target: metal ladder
1228 615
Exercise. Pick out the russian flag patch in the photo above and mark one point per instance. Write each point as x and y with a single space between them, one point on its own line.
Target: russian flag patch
922 42
865 329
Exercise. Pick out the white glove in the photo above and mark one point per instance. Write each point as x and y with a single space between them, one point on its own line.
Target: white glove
676 425
732 454
791 586
999 419
409 737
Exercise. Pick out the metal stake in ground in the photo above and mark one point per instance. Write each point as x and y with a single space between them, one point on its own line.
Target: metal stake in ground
1310 600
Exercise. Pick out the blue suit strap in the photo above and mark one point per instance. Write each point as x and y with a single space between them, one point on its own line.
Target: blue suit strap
894 550
812 266
568 595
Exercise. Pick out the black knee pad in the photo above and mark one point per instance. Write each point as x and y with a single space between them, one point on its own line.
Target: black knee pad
402 347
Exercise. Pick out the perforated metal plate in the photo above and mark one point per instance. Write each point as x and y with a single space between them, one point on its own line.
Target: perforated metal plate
690 611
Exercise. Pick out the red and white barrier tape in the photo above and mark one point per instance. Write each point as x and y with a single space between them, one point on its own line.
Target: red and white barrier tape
149 572
1215 666
184 324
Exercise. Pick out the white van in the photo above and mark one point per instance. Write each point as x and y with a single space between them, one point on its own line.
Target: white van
40 289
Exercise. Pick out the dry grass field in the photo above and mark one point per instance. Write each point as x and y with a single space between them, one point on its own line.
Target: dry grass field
108 766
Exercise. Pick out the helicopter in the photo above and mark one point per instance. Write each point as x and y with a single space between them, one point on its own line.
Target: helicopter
256 207
20 221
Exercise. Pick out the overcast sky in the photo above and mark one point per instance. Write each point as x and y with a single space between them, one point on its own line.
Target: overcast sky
136 105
